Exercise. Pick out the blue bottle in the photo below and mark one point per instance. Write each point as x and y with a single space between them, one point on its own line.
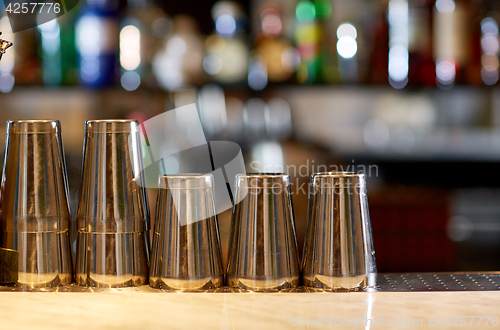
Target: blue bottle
96 32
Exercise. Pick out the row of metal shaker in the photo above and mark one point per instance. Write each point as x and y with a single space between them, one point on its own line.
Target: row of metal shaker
113 247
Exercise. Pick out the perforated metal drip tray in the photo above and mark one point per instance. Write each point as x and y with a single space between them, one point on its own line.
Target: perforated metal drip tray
415 282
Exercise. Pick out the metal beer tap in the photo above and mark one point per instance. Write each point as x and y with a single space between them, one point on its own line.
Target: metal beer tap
4 45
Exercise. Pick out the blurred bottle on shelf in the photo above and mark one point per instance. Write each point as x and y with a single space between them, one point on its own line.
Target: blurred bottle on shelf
179 61
351 20
7 63
421 63
97 30
398 19
472 74
378 61
57 51
275 53
328 56
69 58
490 48
26 67
453 46
490 42
308 36
347 49
143 31
328 51
226 53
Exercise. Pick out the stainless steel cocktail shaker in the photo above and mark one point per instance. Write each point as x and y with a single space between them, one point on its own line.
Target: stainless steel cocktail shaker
113 212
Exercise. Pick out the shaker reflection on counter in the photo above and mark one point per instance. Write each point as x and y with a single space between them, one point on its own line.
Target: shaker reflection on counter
113 211
34 210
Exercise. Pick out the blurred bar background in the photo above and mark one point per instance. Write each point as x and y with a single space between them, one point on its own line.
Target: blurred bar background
404 90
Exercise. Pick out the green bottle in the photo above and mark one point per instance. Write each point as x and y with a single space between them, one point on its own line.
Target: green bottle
57 51
317 63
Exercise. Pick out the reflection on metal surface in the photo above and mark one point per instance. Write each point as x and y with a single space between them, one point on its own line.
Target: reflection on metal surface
186 253
395 282
113 212
338 252
34 209
9 264
263 248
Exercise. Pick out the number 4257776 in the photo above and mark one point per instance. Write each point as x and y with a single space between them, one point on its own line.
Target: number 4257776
31 7
455 321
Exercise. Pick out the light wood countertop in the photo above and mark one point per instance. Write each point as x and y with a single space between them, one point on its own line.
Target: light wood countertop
144 309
